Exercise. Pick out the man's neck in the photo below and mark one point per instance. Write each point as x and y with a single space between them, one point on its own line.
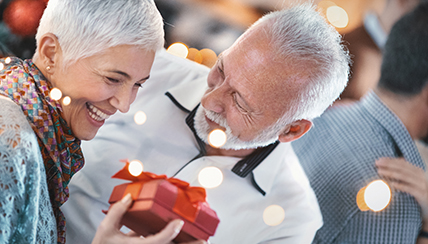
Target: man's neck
412 111
387 20
211 151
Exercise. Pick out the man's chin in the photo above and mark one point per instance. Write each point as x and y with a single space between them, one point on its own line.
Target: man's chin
245 145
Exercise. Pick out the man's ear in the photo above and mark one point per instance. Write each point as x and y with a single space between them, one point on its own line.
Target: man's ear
48 52
295 130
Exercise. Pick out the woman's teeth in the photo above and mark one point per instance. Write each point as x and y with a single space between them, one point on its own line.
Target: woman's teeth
97 114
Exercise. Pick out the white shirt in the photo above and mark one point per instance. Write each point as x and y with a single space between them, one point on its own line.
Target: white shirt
165 143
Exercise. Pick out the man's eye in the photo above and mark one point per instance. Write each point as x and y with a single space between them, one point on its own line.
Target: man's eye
220 70
139 85
237 103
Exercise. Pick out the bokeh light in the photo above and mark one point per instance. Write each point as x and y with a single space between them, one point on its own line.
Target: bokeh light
55 94
1 66
273 215
7 60
135 168
209 57
324 5
66 101
178 49
194 55
210 177
337 16
376 196
22 16
217 138
140 117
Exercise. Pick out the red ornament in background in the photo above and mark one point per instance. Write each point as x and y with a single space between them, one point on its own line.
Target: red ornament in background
23 16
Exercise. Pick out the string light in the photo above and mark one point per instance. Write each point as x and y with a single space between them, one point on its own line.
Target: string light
217 138
1 66
55 94
210 177
66 101
273 215
7 60
178 49
376 196
140 118
135 168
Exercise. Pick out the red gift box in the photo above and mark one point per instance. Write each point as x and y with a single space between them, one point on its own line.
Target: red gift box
158 200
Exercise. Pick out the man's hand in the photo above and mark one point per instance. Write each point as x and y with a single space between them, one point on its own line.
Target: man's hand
109 229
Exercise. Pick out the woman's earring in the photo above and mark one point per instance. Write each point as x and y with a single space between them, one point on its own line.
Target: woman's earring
48 68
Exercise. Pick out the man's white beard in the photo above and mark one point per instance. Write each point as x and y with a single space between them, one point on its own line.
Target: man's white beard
202 127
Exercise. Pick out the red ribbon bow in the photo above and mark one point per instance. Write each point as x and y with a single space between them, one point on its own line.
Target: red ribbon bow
189 198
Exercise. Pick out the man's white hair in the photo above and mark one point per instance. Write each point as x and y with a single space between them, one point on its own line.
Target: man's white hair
88 27
301 35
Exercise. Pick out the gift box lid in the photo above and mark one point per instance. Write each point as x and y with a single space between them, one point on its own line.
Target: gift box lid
168 193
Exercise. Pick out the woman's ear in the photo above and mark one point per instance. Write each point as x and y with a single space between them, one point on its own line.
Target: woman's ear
295 130
48 52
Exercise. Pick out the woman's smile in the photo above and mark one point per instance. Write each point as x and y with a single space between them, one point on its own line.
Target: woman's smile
96 113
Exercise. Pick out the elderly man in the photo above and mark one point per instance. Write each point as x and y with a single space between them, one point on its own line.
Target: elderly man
339 154
282 72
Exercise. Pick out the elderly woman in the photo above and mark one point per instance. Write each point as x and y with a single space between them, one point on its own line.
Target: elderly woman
98 53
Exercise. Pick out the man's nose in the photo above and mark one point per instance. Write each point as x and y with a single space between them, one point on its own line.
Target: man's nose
213 99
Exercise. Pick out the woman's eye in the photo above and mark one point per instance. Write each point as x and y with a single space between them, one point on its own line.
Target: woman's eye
139 85
112 80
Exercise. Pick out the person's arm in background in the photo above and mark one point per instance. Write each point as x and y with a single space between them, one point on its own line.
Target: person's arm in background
408 178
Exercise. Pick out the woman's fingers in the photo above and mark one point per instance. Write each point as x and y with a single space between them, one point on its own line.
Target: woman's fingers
117 210
109 229
167 234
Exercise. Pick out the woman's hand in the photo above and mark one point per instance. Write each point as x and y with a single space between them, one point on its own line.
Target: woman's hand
109 229
407 178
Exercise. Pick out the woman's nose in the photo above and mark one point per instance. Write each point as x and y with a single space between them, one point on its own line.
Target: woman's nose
122 99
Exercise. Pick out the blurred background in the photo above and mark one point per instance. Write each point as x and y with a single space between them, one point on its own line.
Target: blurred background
208 25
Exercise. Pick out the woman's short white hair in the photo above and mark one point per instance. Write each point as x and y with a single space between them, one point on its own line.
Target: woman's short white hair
301 35
88 27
